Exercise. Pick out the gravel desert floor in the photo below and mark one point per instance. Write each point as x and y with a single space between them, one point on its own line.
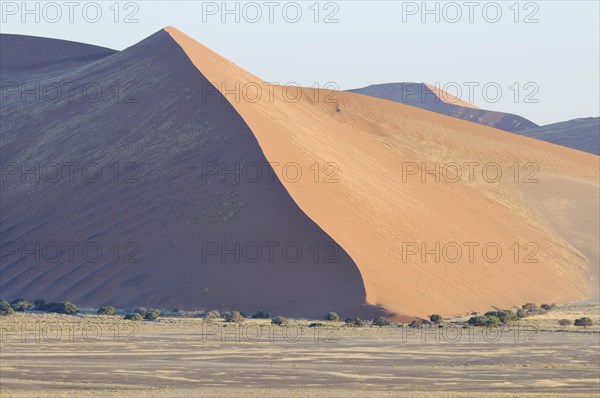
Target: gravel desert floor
45 355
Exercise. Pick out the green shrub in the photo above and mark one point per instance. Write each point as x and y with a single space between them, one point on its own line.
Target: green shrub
214 314
354 321
233 316
548 307
492 320
260 314
142 311
436 319
505 316
40 304
108 310
316 325
478 320
416 324
133 317
5 308
65 307
152 315
485 320
565 322
332 317
380 321
585 322
279 320
20 305
531 309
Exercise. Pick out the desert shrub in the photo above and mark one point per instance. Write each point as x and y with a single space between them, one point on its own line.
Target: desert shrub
492 320
39 304
5 308
212 314
548 307
108 310
20 305
380 321
232 316
565 322
485 320
521 313
478 320
332 317
354 321
133 317
505 316
65 307
152 315
316 325
436 319
416 324
531 309
279 320
188 314
585 322
142 311
260 314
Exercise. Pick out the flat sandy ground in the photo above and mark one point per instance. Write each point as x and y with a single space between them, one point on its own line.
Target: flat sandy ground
191 357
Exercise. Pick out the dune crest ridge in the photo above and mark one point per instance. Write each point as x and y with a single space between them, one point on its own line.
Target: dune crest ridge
375 210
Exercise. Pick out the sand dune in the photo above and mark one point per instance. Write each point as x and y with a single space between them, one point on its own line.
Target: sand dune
581 134
364 189
165 231
371 212
430 97
24 55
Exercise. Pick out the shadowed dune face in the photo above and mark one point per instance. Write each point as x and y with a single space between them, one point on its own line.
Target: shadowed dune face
377 210
164 224
431 98
24 55
581 134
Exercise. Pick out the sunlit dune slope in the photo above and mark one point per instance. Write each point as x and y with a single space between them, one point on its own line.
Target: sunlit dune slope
377 209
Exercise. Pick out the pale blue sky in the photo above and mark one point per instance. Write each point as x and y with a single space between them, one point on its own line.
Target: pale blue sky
372 44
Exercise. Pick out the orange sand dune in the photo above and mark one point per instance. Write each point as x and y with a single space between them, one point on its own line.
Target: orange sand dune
377 214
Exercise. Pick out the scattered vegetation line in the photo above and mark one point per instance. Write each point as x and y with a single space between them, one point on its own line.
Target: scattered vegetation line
488 319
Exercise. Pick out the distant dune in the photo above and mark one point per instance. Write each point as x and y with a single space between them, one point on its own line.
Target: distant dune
581 134
434 99
369 189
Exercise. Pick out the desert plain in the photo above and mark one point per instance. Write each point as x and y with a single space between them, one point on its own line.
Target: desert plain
105 356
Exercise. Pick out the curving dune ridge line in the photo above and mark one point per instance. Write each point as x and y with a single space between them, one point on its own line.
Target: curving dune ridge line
375 211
